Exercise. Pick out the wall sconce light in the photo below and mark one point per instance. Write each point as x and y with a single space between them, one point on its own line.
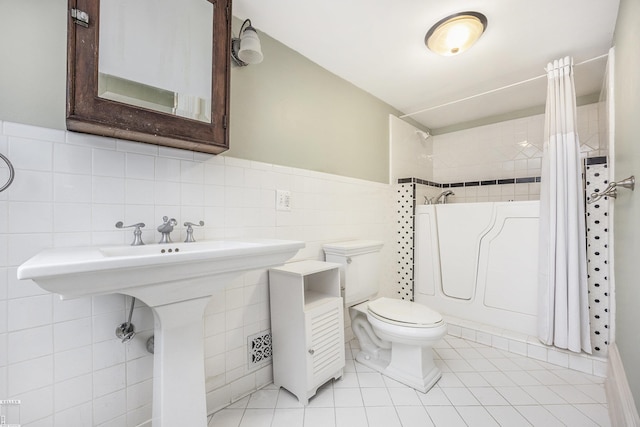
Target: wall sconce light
455 33
246 49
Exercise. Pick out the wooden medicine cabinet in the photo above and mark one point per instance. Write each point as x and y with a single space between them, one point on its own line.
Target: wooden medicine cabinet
154 71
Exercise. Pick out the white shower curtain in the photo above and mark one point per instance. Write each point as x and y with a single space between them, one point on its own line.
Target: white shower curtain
563 311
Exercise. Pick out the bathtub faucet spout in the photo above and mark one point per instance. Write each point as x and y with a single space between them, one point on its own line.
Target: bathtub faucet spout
442 197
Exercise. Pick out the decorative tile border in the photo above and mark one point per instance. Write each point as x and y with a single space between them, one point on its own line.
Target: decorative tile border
525 180
597 223
405 200
599 160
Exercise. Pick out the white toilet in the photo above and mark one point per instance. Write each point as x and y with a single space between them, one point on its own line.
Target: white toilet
396 336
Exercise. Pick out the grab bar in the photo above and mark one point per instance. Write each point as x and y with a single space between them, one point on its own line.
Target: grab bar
612 189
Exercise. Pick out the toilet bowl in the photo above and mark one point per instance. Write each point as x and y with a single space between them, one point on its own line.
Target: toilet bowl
396 336
399 347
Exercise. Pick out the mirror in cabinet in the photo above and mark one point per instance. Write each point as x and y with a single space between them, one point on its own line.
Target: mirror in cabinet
154 71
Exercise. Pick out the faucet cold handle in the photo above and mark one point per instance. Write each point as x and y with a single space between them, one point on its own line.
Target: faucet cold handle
137 233
190 226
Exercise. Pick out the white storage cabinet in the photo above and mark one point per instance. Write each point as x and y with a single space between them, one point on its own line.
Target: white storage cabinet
307 326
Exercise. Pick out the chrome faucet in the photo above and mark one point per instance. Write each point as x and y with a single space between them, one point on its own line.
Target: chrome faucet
443 196
137 233
166 228
190 226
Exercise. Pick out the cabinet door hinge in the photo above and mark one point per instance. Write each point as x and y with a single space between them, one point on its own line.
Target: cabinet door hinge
224 121
80 17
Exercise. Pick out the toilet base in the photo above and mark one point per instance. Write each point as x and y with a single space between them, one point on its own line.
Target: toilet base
409 365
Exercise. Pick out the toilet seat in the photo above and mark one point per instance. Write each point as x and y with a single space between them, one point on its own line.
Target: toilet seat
404 313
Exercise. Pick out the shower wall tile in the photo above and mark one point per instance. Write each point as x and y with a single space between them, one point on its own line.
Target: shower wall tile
510 149
410 154
61 358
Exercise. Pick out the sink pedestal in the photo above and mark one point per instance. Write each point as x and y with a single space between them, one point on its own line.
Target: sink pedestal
179 394
179 391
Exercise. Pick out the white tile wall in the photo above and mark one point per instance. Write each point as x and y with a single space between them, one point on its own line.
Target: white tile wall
410 156
510 149
61 358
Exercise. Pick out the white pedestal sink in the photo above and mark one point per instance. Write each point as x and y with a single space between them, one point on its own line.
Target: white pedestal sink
177 281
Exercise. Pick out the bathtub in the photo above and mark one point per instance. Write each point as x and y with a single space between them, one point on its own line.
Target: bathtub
478 262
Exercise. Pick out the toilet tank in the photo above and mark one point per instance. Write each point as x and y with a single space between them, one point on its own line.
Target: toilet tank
359 268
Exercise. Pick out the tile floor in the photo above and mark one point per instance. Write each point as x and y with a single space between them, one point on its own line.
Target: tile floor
480 386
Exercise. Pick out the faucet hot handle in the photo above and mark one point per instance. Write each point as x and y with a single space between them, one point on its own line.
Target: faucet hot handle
120 224
190 226
137 233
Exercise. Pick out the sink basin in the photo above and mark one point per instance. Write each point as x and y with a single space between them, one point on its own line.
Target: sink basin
150 272
176 280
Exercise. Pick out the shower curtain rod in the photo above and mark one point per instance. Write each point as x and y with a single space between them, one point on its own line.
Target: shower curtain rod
424 110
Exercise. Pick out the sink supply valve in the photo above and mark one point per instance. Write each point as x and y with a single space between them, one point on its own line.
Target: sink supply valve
137 233
190 226
166 228
612 189
126 331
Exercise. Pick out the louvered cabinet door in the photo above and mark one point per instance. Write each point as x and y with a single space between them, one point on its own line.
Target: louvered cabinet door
307 326
325 341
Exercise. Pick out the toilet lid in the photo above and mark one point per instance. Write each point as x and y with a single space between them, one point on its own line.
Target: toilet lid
404 311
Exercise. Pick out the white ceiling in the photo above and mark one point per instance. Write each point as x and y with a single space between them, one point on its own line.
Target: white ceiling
378 45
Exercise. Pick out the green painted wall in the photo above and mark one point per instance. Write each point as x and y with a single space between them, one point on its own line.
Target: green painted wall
287 110
627 205
33 73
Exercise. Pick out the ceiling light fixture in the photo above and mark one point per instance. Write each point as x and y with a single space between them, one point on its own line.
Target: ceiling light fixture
455 33
246 49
